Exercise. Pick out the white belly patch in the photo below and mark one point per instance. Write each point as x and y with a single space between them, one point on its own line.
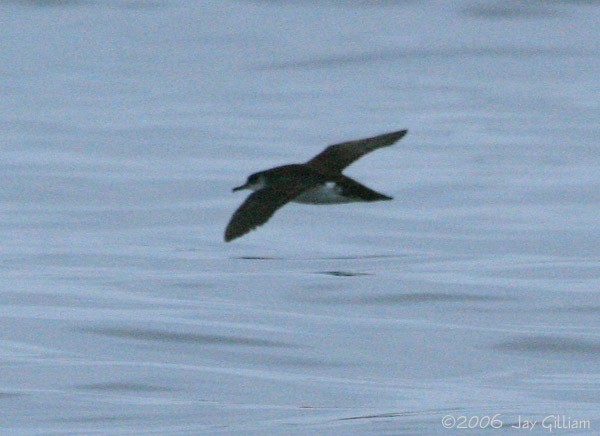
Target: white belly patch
329 193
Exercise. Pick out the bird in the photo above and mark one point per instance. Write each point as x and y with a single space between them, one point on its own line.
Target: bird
318 181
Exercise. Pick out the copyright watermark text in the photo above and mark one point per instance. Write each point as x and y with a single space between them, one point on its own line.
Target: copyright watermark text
550 423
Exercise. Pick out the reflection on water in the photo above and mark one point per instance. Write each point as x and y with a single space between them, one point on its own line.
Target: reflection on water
122 4
504 10
575 348
122 387
474 292
185 338
343 273
441 55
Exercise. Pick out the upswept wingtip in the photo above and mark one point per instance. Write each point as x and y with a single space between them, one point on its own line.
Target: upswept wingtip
400 133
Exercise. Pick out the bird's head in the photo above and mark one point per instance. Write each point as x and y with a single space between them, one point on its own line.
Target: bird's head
254 182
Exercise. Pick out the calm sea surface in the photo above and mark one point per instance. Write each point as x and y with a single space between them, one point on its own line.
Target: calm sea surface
476 293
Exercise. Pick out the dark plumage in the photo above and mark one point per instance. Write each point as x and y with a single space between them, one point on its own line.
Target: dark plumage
318 181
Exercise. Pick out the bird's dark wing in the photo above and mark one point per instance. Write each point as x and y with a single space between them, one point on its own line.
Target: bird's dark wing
338 156
260 206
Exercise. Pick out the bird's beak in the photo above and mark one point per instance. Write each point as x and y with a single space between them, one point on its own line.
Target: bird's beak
239 188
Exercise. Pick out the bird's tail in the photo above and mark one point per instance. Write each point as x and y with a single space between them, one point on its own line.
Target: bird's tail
352 188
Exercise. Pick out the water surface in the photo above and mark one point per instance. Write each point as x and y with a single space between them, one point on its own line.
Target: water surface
125 125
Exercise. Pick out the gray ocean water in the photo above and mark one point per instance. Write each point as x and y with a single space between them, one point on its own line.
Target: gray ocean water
476 293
